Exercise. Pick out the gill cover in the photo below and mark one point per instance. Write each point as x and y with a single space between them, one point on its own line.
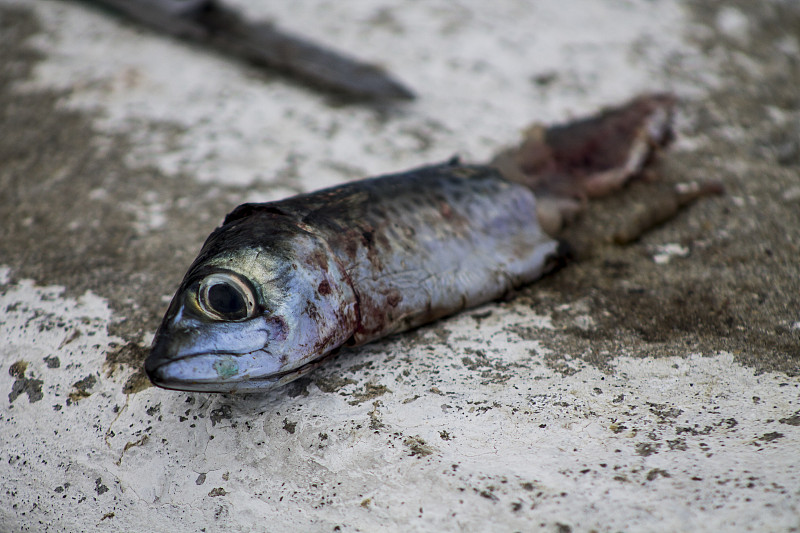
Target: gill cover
265 299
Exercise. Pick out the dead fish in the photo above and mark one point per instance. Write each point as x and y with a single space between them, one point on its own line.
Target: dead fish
281 286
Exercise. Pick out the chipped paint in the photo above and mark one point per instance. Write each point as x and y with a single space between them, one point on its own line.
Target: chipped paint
663 253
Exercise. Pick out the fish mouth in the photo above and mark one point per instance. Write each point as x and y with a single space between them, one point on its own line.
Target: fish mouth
186 355
221 372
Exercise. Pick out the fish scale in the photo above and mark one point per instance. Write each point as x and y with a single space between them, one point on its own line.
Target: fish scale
441 238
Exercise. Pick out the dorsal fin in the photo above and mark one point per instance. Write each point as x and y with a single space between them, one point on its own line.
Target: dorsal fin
246 210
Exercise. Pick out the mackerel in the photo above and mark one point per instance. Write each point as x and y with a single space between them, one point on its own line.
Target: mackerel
281 286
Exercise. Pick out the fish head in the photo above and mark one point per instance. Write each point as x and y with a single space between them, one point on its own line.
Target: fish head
260 305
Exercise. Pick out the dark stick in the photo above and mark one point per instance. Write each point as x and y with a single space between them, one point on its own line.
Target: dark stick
213 24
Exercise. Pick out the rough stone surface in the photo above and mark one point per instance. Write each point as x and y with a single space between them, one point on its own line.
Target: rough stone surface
648 387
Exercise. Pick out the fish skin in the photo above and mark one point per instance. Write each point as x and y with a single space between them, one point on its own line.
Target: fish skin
565 165
348 265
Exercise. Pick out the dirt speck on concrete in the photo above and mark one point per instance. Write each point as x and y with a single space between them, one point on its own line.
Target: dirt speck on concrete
24 385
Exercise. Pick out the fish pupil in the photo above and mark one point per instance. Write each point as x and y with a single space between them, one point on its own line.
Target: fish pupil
227 301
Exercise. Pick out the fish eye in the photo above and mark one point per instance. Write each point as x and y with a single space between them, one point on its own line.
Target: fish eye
226 297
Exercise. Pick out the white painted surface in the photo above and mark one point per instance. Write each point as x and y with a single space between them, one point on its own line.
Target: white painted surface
667 444
693 443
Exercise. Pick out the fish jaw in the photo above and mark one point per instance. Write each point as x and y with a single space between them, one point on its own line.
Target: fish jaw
192 355
211 373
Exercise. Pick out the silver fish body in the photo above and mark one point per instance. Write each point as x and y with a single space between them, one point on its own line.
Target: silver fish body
281 285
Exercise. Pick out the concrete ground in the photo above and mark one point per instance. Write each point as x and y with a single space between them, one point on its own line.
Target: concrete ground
648 387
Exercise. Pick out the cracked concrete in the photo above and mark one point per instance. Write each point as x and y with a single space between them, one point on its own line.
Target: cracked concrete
647 387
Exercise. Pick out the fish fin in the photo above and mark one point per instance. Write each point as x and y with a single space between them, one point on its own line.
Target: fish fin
246 210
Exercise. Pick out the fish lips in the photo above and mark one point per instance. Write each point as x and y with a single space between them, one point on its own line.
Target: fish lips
212 372
189 356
